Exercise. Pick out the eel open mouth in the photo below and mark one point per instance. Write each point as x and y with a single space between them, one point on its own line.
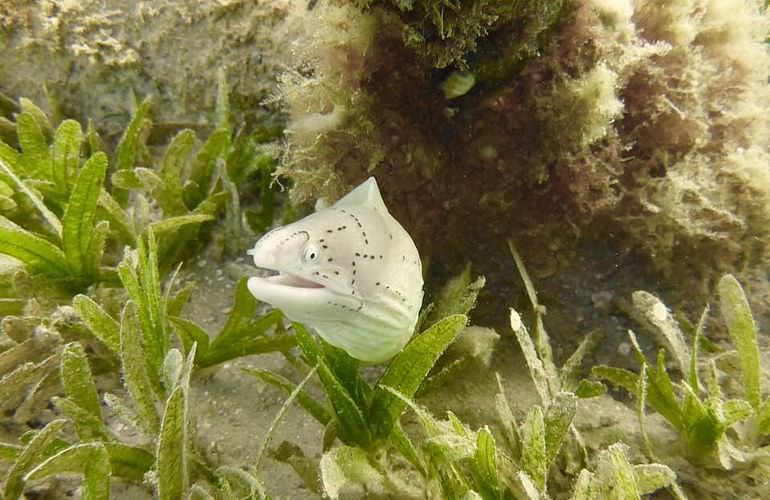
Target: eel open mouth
278 277
292 280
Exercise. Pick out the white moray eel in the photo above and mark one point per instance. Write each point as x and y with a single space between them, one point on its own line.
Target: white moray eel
350 271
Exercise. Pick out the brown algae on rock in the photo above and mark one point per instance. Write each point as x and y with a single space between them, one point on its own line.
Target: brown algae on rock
633 119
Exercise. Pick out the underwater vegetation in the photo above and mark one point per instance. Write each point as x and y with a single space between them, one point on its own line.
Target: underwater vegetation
375 453
480 120
126 326
70 227
546 121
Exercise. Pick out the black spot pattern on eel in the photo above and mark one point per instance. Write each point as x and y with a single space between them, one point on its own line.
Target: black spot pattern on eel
344 307
358 223
290 237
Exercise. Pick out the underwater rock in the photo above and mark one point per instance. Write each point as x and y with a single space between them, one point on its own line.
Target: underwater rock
90 56
631 121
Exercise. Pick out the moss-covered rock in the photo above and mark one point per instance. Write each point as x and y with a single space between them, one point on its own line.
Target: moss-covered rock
641 121
489 36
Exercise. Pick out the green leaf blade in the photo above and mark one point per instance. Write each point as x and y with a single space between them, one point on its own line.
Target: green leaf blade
27 106
586 487
35 159
66 154
101 324
171 224
242 313
34 453
89 459
169 194
20 383
129 462
618 377
9 170
11 158
408 370
763 419
204 167
569 372
10 452
38 255
659 316
557 420
349 415
141 279
77 379
149 274
535 364
189 333
736 410
93 254
80 215
129 143
589 389
135 369
88 426
534 455
353 424
661 395
113 213
743 332
485 462
615 473
172 470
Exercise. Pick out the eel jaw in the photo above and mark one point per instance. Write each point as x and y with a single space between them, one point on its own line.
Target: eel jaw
287 292
291 280
279 277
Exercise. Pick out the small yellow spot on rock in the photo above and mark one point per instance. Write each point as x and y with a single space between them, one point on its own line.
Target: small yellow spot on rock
515 320
458 84
489 152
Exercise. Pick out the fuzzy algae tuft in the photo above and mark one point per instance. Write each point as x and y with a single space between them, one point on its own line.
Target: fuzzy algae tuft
627 118
486 36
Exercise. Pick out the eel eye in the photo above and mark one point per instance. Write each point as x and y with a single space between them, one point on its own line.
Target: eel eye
311 254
